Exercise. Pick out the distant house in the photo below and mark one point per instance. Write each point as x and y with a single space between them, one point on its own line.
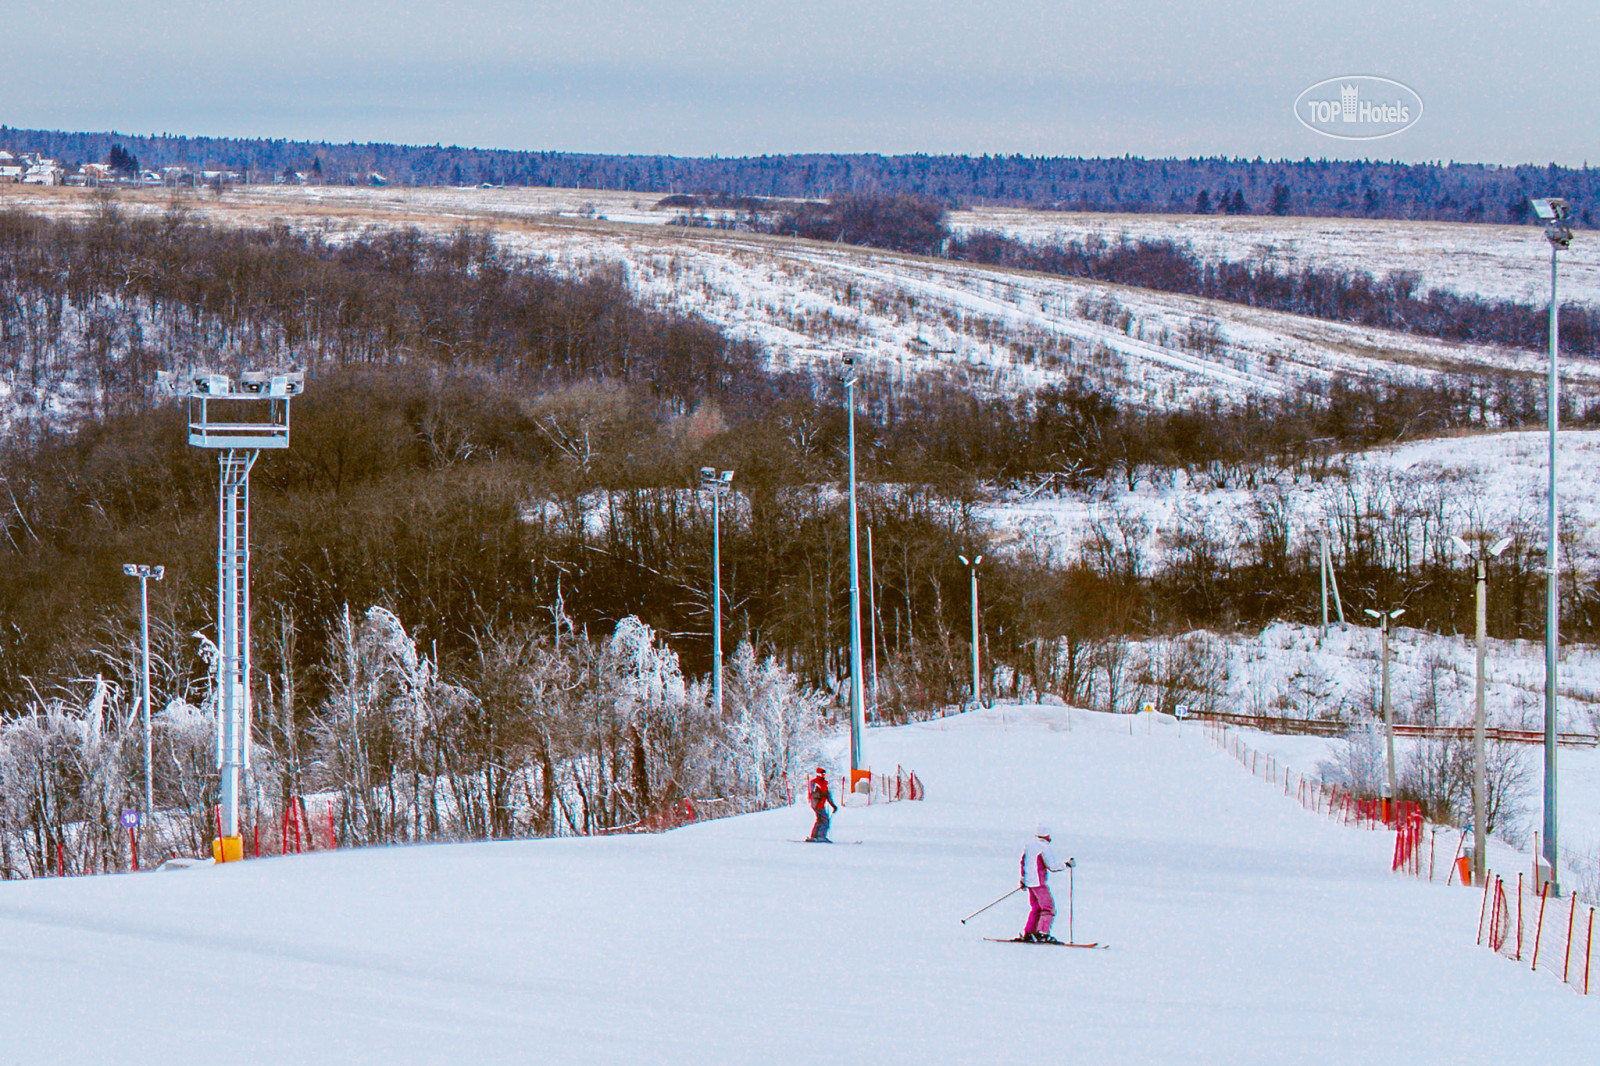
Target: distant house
43 172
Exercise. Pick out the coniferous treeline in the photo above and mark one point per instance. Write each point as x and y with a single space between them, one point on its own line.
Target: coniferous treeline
1458 192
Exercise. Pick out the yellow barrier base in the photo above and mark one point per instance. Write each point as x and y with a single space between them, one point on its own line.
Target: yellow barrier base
228 849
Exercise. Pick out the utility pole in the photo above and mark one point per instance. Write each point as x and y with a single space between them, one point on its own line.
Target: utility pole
1392 785
1322 567
716 482
857 710
1554 212
1479 784
144 573
872 623
977 687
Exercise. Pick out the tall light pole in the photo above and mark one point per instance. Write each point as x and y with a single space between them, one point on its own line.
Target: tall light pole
1388 715
857 710
238 417
711 479
1479 796
1554 212
144 573
972 567
872 624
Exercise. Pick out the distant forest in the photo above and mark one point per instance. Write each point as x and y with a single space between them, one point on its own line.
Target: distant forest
1454 192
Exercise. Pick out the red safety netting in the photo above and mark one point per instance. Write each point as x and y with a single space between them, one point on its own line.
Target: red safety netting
1311 793
1551 933
903 784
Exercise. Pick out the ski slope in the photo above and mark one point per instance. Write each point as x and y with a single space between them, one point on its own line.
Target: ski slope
1243 930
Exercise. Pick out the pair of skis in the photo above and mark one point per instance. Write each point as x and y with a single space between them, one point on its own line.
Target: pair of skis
1071 900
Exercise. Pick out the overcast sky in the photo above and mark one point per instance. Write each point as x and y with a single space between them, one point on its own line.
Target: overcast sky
1509 81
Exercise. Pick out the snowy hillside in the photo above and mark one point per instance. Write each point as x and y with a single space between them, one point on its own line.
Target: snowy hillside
1243 929
985 328
1493 480
1494 262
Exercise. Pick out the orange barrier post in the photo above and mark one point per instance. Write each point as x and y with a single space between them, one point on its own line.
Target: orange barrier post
1588 952
1538 929
1566 963
1484 909
1519 917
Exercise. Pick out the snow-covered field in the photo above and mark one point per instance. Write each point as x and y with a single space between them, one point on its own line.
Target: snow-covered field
984 328
1493 481
1243 929
1490 261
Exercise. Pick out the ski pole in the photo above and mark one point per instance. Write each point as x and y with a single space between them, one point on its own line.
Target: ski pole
1072 892
980 910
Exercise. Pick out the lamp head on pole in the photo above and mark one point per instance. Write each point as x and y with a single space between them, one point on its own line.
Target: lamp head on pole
1488 551
712 479
963 559
849 365
144 571
1555 211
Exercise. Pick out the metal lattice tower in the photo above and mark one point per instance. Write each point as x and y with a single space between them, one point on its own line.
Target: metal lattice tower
240 417
233 627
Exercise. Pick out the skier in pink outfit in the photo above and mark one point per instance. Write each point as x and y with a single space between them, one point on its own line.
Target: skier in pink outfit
1038 862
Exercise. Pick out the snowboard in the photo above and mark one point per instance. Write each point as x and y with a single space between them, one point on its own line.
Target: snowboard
1043 944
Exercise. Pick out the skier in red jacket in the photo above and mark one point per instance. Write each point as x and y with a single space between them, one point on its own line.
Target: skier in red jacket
1037 864
821 799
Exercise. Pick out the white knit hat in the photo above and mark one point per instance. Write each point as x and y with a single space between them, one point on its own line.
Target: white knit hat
1042 828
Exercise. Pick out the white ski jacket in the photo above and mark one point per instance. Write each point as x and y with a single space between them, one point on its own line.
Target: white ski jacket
1037 863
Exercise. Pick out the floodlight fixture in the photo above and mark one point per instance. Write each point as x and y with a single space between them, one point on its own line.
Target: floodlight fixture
963 559
249 411
141 570
1499 546
1552 209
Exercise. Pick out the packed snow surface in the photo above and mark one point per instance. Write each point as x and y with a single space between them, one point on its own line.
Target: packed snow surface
1243 929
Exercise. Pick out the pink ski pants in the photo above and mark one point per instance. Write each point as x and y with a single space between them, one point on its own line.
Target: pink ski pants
1042 912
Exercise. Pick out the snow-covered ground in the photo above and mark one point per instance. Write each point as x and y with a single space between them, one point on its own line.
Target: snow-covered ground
1489 261
1577 806
806 303
1243 929
1492 480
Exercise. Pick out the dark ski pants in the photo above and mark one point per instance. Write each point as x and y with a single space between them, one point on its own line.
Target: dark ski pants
820 830
1042 910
